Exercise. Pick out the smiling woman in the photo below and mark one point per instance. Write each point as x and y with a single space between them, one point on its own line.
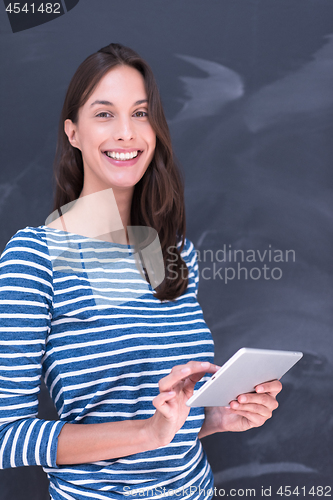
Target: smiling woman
119 367
113 107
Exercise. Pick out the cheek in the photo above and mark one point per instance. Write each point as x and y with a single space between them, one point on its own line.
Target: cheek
149 134
92 134
152 140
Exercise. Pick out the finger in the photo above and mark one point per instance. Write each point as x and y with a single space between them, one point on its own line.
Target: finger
273 387
193 371
264 411
253 419
259 399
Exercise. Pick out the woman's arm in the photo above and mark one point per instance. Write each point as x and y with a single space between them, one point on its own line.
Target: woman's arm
82 443
25 301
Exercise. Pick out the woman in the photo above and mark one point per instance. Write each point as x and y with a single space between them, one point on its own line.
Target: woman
119 358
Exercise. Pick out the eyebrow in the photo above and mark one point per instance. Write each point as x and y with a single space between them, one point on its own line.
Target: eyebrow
108 103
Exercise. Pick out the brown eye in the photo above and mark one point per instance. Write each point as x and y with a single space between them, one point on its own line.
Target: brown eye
141 114
103 114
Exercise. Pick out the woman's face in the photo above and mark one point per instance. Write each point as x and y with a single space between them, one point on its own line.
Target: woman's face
113 132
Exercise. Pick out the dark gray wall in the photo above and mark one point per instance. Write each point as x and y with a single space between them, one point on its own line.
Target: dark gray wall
247 88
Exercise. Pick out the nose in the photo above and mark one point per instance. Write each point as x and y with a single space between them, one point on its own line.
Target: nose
124 129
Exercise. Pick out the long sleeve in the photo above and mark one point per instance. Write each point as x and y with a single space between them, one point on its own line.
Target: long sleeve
26 292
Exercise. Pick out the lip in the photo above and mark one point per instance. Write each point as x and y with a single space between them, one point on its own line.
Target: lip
123 163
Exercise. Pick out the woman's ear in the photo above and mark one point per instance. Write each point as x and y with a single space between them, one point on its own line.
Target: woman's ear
71 132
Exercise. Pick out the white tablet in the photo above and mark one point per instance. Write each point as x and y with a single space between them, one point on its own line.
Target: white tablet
241 373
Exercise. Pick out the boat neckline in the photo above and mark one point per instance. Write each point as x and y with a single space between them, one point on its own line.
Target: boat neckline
85 237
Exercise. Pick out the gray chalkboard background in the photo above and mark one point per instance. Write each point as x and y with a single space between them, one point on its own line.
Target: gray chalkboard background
247 87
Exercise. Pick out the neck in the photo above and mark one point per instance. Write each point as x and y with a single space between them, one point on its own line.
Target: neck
124 202
101 213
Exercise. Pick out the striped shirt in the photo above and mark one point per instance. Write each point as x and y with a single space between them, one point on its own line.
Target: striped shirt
77 312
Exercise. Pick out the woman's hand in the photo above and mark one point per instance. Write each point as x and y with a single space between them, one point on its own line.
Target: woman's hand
171 410
250 410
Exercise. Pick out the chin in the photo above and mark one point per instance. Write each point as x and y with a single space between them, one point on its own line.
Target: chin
122 185
127 182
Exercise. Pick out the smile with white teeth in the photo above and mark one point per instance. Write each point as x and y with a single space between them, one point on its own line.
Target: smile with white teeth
122 156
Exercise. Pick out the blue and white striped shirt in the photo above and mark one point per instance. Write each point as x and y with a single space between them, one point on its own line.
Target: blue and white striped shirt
101 342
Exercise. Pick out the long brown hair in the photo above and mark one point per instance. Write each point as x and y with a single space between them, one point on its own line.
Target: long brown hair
158 198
